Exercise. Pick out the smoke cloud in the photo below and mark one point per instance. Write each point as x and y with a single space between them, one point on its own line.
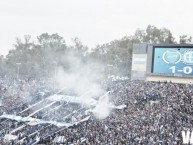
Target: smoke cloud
84 79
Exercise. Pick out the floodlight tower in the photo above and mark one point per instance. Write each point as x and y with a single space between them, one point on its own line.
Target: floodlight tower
18 65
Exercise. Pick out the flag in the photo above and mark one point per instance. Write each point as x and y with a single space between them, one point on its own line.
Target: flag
82 139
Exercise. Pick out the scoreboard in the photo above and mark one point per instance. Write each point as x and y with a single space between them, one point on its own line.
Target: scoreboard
172 60
162 62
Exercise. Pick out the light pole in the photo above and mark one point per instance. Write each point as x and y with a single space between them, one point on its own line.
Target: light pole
1 102
55 74
109 68
18 65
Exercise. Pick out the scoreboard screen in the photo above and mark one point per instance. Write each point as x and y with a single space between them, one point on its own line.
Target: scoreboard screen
173 60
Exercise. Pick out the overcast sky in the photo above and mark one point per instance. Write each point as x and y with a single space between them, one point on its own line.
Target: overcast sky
93 21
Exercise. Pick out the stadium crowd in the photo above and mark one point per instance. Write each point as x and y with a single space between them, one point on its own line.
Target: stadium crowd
156 113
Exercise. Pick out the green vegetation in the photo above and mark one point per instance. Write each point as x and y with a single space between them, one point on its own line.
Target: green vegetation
39 58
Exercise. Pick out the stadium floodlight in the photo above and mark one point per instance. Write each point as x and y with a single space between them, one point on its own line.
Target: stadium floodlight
55 73
109 68
1 102
18 65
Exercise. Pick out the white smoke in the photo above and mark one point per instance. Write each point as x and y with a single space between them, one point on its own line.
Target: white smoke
102 109
84 79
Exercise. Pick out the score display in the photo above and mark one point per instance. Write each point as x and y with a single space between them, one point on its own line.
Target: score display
173 60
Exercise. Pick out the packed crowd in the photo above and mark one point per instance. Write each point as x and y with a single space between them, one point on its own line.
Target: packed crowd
156 113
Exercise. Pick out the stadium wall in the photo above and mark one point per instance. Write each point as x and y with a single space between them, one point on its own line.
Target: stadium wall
168 79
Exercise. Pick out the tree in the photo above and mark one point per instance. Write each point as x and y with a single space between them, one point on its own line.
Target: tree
78 46
36 59
117 54
21 54
41 58
2 66
184 39
155 35
53 41
51 49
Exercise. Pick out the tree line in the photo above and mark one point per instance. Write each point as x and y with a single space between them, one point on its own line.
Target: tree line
40 58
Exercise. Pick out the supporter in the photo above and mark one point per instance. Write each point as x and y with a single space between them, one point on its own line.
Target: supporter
156 113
